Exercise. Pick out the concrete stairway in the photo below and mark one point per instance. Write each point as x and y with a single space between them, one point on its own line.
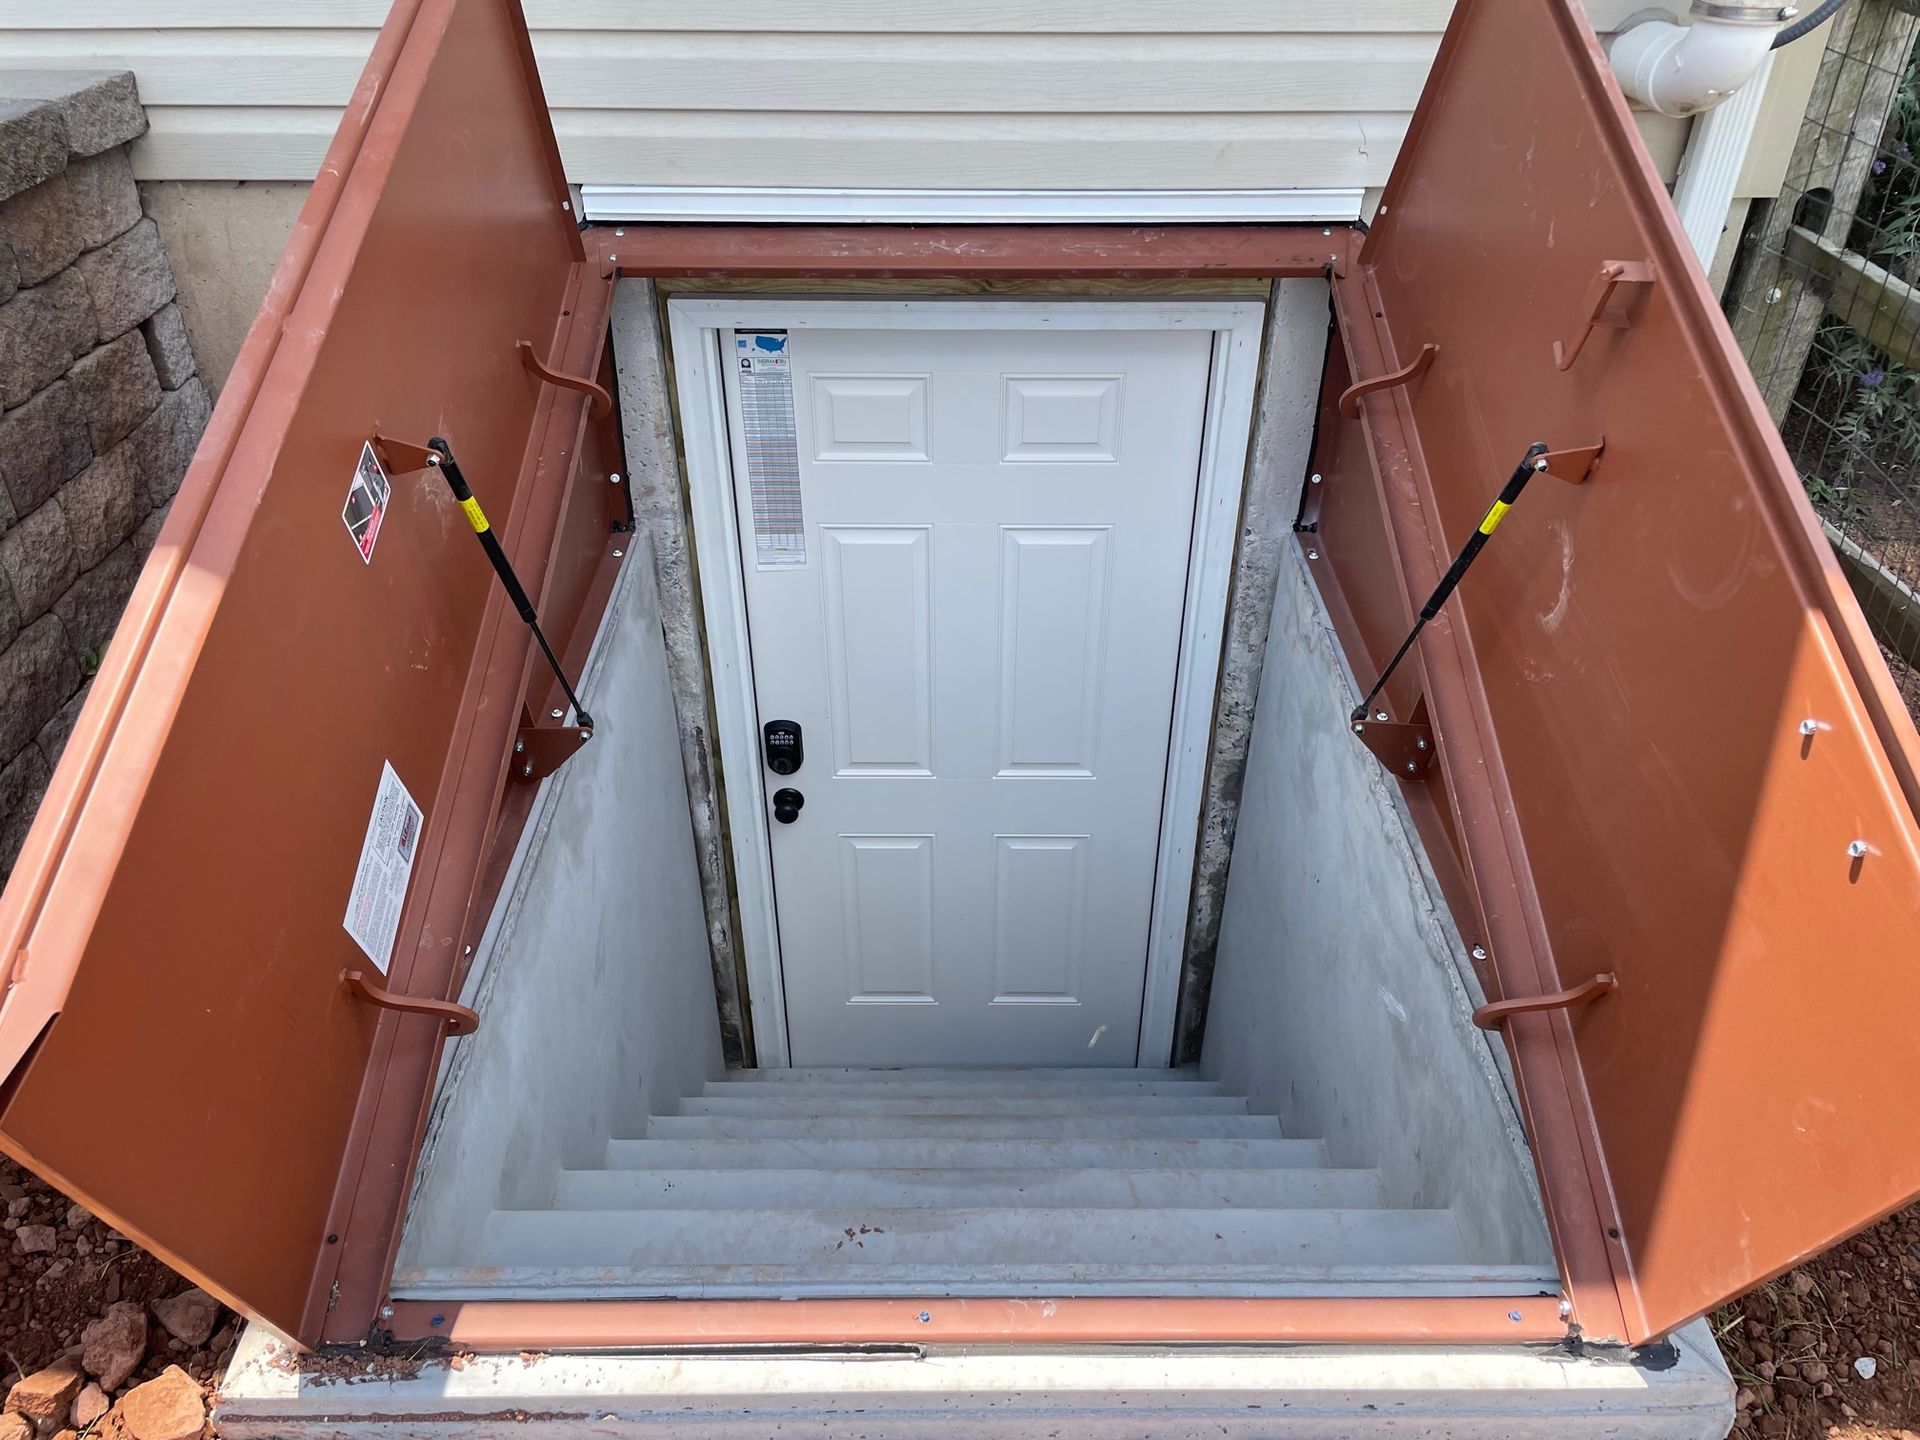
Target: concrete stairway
955 1182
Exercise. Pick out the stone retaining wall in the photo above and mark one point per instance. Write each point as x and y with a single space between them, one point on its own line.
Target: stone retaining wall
100 407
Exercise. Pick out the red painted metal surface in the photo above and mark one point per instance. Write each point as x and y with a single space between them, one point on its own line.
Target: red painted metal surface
980 252
179 905
600 1324
1618 691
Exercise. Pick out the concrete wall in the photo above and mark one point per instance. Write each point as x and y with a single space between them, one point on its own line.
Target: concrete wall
102 408
225 237
1339 1002
592 983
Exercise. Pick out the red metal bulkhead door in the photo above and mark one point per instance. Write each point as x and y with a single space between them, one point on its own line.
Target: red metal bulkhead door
183 1053
1700 763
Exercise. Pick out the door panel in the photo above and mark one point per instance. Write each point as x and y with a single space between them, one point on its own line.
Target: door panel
178 910
1697 776
986 625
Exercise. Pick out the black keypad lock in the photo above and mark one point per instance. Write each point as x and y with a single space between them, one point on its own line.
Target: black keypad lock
783 748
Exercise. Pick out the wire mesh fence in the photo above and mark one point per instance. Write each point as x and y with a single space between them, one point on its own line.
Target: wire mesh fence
1823 300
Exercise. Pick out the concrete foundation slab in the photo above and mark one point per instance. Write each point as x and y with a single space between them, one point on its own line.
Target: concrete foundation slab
1275 1394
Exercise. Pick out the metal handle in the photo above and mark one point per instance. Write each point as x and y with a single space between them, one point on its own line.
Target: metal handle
1496 1012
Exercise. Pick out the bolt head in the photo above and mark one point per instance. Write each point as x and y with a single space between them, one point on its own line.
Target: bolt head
1858 849
614 479
618 233
556 714
526 770
1809 727
586 734
519 746
1359 727
386 1312
1479 952
566 205
1413 767
1514 1316
1773 295
1419 744
618 552
1313 554
1380 715
1314 481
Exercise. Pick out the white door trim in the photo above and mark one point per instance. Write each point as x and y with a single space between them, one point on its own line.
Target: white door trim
822 205
695 326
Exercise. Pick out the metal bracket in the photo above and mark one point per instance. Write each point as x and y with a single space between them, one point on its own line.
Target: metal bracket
1496 1012
459 1019
539 750
1350 397
1405 748
402 457
1575 465
1599 307
602 402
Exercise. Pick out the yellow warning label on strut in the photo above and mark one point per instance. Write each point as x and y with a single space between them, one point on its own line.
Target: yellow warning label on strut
477 517
1494 517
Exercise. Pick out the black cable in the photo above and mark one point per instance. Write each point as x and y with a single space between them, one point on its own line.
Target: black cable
1807 23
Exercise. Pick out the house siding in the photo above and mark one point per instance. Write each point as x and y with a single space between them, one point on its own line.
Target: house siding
992 94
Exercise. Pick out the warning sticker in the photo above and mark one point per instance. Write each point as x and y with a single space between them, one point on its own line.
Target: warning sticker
773 452
386 864
366 503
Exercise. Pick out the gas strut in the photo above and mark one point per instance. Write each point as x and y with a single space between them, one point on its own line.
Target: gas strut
441 459
1532 464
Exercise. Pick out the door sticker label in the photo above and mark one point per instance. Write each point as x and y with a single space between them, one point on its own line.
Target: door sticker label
386 865
366 503
773 452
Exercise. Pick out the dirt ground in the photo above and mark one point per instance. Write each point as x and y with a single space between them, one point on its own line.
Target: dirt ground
49 1296
1793 1344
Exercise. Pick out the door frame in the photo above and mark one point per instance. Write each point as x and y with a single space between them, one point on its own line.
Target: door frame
695 326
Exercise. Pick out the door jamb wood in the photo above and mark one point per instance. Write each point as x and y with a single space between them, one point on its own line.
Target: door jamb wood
695 327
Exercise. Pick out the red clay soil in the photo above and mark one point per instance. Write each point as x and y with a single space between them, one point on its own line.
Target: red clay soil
1793 1344
48 1297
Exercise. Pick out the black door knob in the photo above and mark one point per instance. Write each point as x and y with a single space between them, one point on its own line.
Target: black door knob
786 805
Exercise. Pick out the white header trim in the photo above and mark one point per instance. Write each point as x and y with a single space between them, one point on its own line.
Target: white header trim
725 204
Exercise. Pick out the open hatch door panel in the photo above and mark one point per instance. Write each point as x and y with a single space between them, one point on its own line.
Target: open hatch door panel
1669 750
175 924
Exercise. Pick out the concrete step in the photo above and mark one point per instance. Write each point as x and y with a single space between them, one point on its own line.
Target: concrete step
1125 1242
972 1188
985 1075
835 1280
985 1082
964 1127
783 1106
804 1152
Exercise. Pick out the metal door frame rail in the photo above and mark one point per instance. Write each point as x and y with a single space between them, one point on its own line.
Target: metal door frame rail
994 252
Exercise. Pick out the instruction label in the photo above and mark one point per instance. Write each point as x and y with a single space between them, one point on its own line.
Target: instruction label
386 865
366 505
773 452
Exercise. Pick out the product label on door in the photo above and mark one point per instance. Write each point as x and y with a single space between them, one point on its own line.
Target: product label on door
773 452
386 865
366 505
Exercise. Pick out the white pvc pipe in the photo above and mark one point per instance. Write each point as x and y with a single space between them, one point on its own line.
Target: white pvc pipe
1684 69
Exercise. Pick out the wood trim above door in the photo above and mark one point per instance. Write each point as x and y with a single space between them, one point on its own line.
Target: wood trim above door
694 326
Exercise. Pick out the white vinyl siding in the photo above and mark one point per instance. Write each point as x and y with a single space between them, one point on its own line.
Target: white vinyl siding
991 94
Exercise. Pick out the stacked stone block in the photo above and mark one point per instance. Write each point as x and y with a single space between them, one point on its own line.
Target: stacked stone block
100 407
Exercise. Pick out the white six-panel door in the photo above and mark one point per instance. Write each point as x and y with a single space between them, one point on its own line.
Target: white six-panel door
975 616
